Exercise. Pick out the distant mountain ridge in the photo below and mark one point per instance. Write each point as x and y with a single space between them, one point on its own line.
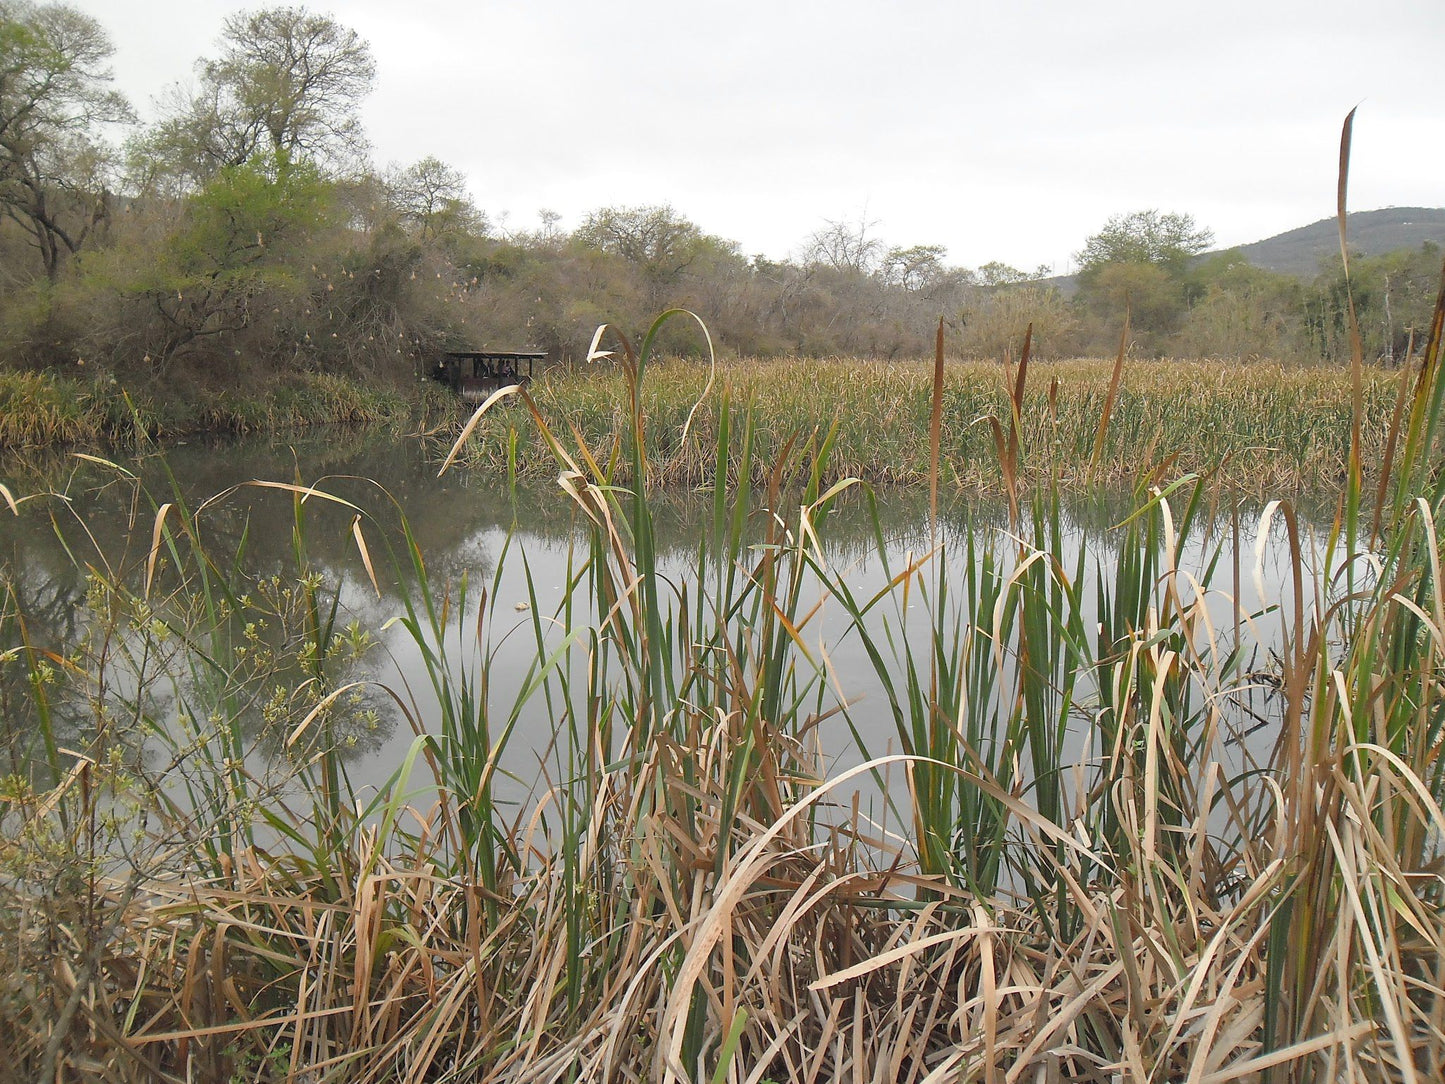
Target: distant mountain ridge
1371 233
1303 251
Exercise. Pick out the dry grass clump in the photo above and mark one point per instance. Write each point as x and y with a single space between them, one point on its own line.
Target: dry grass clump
795 962
38 409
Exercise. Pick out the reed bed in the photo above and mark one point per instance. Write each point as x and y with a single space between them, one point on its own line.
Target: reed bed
1257 426
684 893
38 409
44 410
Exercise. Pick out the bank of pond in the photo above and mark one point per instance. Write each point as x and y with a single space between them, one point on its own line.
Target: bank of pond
1260 427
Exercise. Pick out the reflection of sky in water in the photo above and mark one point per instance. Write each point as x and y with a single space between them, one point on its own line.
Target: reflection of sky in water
851 675
462 527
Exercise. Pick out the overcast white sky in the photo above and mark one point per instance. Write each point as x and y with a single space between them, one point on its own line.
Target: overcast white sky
1007 130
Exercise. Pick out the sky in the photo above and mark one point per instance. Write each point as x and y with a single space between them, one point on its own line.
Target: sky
1009 130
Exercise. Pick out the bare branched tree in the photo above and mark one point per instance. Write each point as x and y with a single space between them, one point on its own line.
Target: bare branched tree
657 239
845 246
913 268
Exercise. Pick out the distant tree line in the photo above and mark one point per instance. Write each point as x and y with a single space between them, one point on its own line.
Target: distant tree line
246 230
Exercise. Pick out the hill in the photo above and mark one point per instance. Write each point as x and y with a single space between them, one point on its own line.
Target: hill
1371 233
1302 251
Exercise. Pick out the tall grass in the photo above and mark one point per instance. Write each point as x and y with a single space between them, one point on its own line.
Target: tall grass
1083 868
1259 427
42 410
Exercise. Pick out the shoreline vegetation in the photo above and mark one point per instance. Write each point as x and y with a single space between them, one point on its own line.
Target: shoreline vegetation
1251 426
41 411
212 252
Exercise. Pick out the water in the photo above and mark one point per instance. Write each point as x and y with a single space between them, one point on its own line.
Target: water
98 522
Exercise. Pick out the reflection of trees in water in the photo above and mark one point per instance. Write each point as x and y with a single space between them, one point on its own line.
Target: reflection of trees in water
230 644
103 519
45 618
159 677
51 611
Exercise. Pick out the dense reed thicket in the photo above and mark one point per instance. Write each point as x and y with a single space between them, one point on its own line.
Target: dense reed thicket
1257 427
46 410
1264 428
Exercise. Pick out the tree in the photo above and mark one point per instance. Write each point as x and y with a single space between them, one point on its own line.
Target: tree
1152 296
54 95
432 197
1393 295
1167 241
657 242
238 245
287 82
657 238
1140 261
914 268
994 322
998 273
849 247
1241 311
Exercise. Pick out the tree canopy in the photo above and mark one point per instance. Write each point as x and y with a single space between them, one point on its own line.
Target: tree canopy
431 197
55 97
847 246
287 82
1164 240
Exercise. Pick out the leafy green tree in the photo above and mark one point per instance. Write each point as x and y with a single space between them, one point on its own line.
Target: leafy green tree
1140 261
238 249
1154 299
55 96
287 82
1409 281
914 268
1240 311
1167 241
998 273
1394 298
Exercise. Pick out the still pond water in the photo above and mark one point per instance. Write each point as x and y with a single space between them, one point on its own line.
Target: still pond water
464 525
